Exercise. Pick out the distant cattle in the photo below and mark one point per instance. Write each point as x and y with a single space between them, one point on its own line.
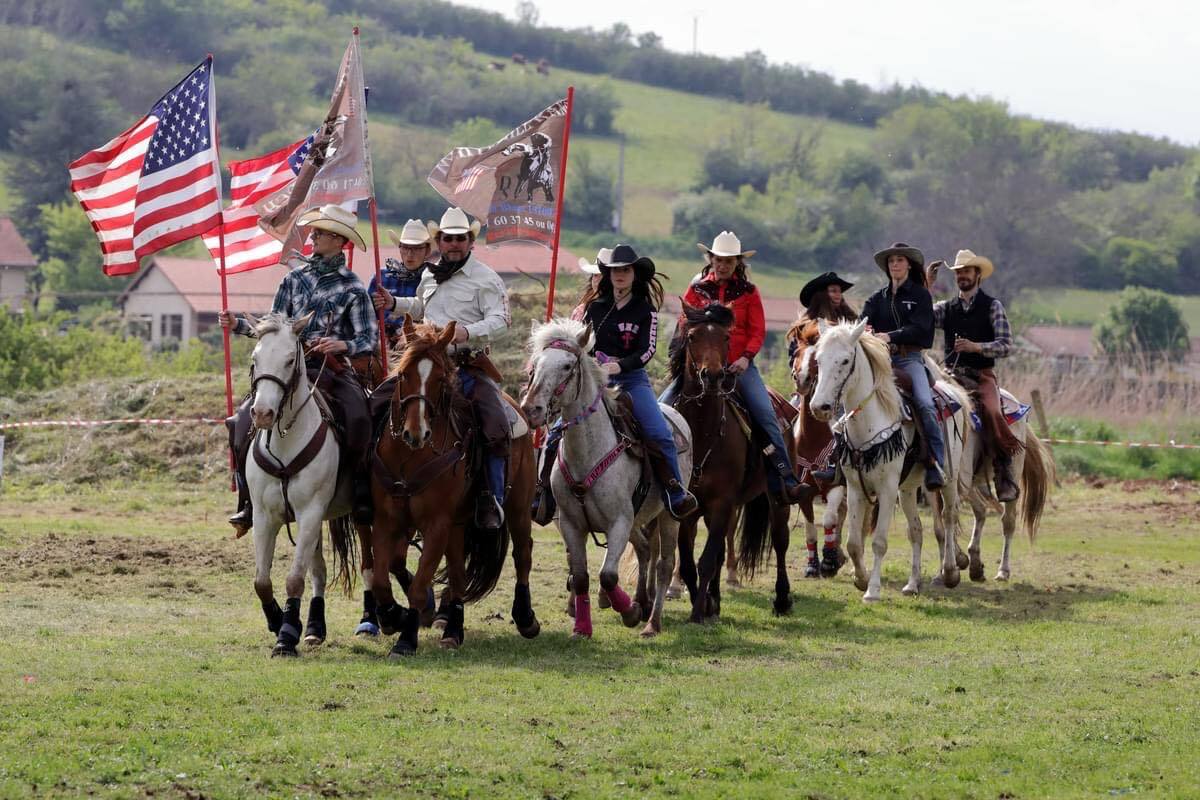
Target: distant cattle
498 66
518 58
543 66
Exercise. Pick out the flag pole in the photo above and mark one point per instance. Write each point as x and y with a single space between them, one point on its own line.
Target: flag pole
225 308
558 205
383 341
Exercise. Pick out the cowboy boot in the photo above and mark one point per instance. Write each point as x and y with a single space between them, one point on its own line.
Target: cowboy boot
239 435
680 502
791 490
935 477
831 471
544 505
489 508
242 519
1006 487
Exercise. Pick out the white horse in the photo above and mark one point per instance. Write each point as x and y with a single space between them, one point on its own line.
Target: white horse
855 373
292 474
566 380
1034 470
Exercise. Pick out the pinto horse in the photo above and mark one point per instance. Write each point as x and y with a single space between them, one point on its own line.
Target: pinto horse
421 479
729 473
813 442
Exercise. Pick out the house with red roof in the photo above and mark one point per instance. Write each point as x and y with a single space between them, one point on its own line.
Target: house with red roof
16 266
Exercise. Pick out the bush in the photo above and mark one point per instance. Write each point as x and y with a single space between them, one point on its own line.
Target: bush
1144 324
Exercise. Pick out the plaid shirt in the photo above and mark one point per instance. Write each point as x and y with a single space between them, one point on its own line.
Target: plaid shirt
1001 346
344 310
400 282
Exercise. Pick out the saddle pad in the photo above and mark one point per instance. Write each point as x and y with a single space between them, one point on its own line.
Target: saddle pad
786 412
517 426
679 428
1014 411
945 403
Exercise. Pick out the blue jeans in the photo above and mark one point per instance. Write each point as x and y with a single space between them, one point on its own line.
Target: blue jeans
762 413
655 427
913 365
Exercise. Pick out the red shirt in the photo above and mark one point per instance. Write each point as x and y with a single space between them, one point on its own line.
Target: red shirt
749 322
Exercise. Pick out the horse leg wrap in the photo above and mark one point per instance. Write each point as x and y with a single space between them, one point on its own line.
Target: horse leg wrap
289 632
522 607
369 606
620 601
454 624
392 617
831 537
583 615
316 618
274 615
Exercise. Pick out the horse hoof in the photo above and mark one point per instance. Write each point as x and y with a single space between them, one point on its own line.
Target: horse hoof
674 593
1002 575
861 584
449 643
977 574
580 636
812 570
401 650
632 616
367 628
938 581
283 650
782 607
312 640
961 560
531 630
602 599
650 631
911 590
870 598
951 578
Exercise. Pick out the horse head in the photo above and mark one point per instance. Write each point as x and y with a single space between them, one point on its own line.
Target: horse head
706 344
556 368
423 381
835 359
276 366
804 366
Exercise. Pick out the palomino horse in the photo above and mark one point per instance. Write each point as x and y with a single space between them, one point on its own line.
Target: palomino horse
814 443
1034 467
729 471
855 373
422 480
293 476
600 497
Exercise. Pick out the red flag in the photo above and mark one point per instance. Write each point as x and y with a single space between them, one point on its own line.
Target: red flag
247 246
158 183
514 183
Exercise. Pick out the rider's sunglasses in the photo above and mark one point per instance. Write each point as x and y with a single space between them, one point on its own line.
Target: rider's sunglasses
453 237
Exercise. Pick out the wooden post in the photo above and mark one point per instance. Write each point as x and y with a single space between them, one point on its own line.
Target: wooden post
1040 412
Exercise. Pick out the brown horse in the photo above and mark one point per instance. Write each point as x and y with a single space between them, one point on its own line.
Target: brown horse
422 480
728 473
813 446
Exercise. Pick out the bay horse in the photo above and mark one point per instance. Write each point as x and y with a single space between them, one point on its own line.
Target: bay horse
729 473
814 443
597 476
422 479
293 475
1035 471
855 373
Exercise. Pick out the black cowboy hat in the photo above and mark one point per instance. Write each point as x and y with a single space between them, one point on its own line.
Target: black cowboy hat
625 256
916 259
821 282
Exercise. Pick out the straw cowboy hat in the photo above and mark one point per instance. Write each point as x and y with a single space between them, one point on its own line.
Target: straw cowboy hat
916 259
820 282
966 258
335 219
726 243
454 221
625 256
593 267
414 234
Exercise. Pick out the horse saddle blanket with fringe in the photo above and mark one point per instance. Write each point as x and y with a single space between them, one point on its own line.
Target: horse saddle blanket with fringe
1013 409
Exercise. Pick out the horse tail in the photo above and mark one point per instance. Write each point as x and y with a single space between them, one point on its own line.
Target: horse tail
1037 474
755 540
485 554
628 567
344 538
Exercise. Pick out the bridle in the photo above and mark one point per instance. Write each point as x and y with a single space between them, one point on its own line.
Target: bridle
288 387
575 372
722 391
435 409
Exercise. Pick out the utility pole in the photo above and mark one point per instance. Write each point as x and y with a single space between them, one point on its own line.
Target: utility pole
695 34
619 206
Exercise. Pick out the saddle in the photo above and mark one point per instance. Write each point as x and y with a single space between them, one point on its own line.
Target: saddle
945 406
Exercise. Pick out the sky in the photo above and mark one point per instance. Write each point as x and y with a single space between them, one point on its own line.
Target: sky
1100 64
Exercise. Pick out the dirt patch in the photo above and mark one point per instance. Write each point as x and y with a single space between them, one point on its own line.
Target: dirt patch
58 556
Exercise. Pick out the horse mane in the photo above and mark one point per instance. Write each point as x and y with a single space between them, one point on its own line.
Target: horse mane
880 359
271 323
569 330
423 345
713 313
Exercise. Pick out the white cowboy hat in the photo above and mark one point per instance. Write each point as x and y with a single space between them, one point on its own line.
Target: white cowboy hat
454 221
593 267
414 234
966 258
335 219
726 244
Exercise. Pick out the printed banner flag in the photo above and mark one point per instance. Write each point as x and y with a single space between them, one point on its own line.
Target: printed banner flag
248 246
158 183
514 183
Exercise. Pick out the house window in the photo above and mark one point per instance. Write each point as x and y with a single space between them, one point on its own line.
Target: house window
172 326
141 326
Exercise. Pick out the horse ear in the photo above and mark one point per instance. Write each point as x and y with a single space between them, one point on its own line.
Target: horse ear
584 337
859 327
299 325
822 326
252 321
447 334
408 327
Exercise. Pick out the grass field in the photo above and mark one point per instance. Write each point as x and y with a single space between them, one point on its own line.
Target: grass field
135 664
1085 307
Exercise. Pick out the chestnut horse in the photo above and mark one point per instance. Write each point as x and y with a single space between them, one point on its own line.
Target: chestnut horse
729 471
421 479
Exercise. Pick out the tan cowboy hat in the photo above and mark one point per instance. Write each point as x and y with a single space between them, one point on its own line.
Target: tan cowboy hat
335 219
726 243
454 221
916 259
414 234
966 258
593 267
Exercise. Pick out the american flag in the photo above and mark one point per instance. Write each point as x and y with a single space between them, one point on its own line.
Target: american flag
467 182
247 246
158 183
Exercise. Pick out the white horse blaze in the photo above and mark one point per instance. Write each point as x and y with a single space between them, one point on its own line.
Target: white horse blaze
424 368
